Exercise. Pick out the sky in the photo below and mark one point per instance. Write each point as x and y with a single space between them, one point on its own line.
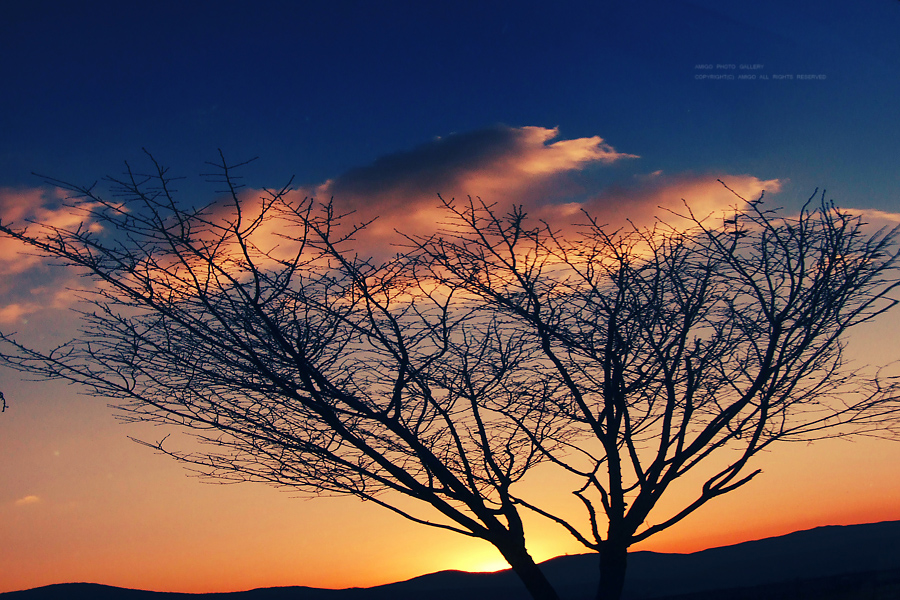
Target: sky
620 108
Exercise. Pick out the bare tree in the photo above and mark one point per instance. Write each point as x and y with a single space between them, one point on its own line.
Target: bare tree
296 362
679 348
445 374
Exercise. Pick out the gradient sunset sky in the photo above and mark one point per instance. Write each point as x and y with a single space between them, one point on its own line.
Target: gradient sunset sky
611 106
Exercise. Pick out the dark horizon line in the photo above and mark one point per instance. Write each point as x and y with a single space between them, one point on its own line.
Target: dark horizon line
453 576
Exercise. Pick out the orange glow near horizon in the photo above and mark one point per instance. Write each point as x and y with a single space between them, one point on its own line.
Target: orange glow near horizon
112 512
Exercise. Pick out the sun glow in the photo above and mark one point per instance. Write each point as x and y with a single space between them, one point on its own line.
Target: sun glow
489 565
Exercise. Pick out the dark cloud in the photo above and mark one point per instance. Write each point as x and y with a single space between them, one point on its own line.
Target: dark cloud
433 166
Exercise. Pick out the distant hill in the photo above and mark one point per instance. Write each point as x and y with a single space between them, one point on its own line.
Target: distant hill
858 562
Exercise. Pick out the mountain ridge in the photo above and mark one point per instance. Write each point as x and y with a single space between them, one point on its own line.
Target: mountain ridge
825 558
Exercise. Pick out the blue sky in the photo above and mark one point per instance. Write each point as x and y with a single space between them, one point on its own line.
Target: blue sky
601 105
316 91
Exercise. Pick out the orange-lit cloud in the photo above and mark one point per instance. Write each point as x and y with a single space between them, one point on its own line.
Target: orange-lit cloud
26 286
17 205
480 162
874 216
27 500
53 292
660 195
15 312
502 165
506 166
39 205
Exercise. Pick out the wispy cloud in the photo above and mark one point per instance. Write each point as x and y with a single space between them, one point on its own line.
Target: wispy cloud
19 298
875 215
16 206
26 285
20 206
27 500
15 312
659 195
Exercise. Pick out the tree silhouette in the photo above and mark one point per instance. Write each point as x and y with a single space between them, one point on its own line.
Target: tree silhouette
296 362
440 377
692 345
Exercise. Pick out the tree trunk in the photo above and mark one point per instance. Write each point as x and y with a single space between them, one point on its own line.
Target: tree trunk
530 574
613 563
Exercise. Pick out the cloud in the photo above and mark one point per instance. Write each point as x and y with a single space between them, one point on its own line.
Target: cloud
26 285
21 206
503 165
498 155
15 312
27 500
659 195
875 215
17 205
500 164
526 166
20 298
